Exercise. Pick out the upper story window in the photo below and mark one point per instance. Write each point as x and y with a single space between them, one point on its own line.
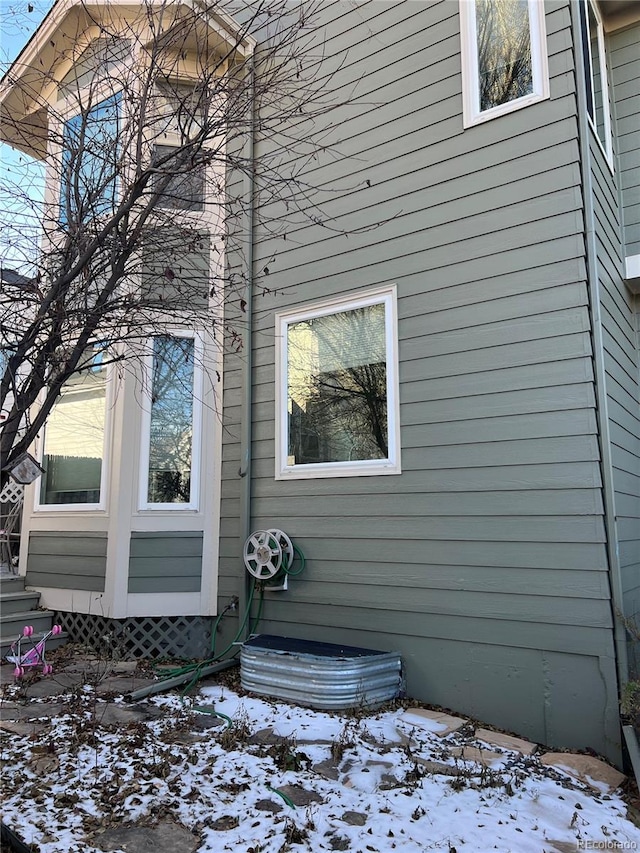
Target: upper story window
185 188
89 163
595 73
337 394
504 57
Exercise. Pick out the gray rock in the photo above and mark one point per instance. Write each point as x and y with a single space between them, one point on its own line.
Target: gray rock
299 796
269 806
133 838
328 769
354 818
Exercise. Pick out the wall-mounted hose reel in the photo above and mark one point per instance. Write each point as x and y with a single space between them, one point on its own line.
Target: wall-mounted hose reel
269 555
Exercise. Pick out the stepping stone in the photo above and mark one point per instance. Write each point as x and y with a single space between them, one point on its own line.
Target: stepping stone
269 806
203 722
120 715
147 839
264 737
354 818
436 722
122 684
595 773
34 710
439 768
15 727
56 685
515 744
481 756
124 666
328 769
299 796
224 823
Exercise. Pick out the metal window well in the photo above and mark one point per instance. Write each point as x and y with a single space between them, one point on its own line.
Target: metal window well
319 675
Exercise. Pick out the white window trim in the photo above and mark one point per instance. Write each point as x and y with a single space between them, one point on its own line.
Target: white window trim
68 109
469 53
607 146
213 174
101 505
362 468
145 429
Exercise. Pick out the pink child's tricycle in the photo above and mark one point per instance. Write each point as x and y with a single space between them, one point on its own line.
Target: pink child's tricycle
34 655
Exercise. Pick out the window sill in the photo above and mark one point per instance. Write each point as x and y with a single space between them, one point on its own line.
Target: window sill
472 119
338 469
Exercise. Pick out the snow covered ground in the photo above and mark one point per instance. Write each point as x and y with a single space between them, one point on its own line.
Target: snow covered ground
274 777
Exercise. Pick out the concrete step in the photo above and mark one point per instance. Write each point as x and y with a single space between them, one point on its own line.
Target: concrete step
11 583
19 607
14 623
17 602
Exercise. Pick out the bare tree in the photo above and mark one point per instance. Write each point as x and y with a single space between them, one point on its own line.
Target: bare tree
143 124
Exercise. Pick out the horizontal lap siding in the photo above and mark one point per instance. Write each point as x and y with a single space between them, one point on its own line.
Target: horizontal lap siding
625 67
67 561
487 554
165 562
618 305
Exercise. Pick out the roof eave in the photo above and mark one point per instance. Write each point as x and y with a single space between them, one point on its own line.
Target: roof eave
23 89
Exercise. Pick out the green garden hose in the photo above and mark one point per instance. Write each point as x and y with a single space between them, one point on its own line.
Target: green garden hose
197 668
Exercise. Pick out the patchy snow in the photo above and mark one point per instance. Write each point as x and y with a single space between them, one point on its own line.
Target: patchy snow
287 778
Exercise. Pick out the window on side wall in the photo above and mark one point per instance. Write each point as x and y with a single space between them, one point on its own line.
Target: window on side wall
595 74
504 57
74 440
170 430
337 408
185 189
89 163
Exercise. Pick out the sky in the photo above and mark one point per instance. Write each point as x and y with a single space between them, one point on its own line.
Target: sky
18 20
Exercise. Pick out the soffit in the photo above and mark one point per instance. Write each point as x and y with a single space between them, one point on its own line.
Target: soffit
31 82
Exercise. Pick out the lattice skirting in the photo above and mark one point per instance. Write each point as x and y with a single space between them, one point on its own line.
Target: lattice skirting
182 637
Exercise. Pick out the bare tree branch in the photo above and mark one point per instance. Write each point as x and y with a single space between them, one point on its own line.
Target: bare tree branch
143 139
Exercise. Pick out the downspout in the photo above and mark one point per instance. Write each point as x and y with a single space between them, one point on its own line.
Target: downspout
602 413
247 354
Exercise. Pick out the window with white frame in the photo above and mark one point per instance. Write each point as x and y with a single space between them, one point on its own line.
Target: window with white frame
185 187
337 391
171 424
595 74
504 57
89 163
74 441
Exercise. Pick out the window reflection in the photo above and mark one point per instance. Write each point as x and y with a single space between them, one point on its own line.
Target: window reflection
337 387
74 440
89 163
505 70
171 424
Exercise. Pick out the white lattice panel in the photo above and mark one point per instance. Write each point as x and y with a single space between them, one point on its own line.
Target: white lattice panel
140 637
12 493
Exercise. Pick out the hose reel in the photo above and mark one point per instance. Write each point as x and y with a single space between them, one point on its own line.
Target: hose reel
268 555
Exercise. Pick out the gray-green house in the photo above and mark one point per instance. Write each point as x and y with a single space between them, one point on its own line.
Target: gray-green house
437 398
494 535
